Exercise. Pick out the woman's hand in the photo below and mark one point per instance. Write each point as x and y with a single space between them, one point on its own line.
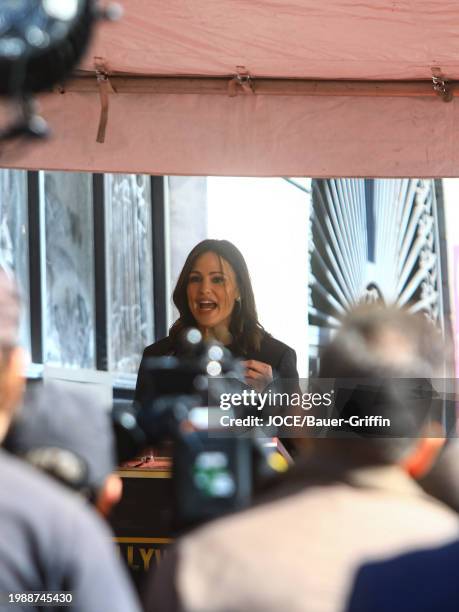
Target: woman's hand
257 374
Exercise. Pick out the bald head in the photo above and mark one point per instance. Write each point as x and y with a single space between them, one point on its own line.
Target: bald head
9 312
11 355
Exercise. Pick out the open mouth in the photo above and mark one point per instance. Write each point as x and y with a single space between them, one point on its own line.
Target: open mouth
207 305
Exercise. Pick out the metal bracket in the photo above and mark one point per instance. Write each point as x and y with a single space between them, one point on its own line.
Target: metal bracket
241 81
441 84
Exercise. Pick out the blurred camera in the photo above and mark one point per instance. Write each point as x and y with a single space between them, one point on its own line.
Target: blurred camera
41 42
214 471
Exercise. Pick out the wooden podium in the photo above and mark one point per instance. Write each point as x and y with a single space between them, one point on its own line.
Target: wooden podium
143 518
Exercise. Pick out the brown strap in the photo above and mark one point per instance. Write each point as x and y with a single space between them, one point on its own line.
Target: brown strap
105 88
103 93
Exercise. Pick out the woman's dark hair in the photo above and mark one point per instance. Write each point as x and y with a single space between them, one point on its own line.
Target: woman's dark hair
245 329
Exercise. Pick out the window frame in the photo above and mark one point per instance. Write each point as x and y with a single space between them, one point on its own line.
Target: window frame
36 253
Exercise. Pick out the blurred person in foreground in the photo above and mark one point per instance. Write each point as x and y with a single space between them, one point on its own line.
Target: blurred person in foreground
420 581
351 500
49 540
68 435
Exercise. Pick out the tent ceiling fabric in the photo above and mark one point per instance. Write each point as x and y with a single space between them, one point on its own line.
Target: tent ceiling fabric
376 39
257 134
250 136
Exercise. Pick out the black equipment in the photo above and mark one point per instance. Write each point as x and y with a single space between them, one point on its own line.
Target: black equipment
41 42
214 471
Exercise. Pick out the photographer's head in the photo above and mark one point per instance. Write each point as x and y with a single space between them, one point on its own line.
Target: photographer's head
378 340
68 435
383 359
214 293
11 356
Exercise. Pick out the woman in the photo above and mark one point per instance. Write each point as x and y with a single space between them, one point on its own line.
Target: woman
214 294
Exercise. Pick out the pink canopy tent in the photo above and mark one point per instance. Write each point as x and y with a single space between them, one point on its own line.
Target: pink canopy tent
262 87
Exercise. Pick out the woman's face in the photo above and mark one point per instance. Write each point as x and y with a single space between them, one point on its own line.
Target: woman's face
212 291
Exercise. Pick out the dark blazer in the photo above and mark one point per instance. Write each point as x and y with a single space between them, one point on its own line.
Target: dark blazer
420 581
279 356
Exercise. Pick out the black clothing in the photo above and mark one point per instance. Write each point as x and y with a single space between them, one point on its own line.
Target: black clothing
419 581
278 355
50 541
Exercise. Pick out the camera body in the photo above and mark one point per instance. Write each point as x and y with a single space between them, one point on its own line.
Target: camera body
40 42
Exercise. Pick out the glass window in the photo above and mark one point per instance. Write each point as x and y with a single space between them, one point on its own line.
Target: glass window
267 219
69 314
187 223
14 249
130 320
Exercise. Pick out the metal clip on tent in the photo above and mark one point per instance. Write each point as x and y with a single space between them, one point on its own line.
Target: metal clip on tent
441 85
241 80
